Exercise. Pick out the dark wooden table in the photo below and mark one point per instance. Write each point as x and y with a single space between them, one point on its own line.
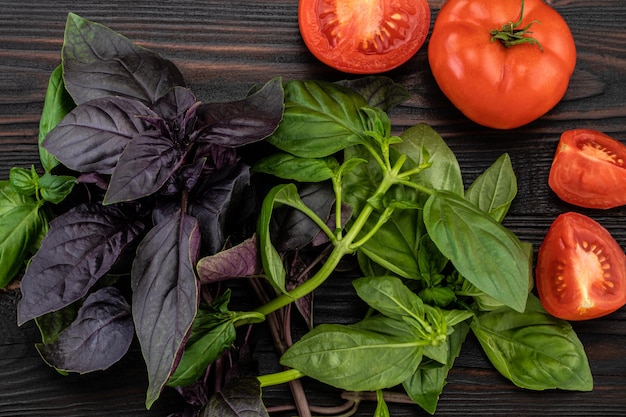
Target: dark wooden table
223 48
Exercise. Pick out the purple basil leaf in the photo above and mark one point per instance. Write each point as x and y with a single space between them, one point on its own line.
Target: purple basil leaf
165 295
99 337
245 121
92 137
241 260
295 229
239 398
217 157
184 179
98 62
178 106
81 246
99 180
144 167
215 202
175 103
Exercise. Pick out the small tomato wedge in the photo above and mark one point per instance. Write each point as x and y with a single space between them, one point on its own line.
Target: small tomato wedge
581 269
364 36
589 170
502 63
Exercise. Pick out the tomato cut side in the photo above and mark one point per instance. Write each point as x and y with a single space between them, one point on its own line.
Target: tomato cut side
581 269
589 169
364 36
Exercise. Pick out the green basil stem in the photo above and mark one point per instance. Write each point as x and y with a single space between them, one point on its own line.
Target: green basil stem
279 377
343 246
337 189
509 34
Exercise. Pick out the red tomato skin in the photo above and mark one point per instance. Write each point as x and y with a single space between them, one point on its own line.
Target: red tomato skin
343 52
575 245
589 170
496 86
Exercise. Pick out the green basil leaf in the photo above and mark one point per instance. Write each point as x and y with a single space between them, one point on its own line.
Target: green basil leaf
403 328
54 188
21 221
320 119
389 296
270 258
57 104
485 302
288 166
355 359
360 182
534 349
23 180
381 406
427 383
395 244
430 260
437 296
212 333
494 190
422 142
454 317
482 250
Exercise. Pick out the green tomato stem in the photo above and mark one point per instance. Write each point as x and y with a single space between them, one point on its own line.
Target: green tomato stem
510 35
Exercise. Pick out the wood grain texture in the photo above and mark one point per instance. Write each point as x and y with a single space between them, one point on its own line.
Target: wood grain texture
225 47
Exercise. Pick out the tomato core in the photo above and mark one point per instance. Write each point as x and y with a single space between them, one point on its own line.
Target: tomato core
592 270
595 150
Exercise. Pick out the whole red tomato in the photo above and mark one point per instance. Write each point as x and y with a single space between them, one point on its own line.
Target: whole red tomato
499 70
589 169
581 269
364 36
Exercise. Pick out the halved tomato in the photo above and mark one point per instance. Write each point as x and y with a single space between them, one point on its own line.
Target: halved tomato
364 36
581 269
589 169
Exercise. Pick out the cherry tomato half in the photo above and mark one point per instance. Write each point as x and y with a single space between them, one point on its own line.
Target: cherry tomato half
364 36
589 169
494 85
581 269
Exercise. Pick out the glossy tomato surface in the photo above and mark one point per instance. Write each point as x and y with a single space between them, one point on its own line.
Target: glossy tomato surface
494 85
589 169
581 269
364 36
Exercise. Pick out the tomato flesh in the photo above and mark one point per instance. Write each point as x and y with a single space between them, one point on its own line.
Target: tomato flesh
589 169
494 85
581 269
364 36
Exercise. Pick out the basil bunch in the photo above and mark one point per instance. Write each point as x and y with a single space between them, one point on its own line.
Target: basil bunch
437 261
